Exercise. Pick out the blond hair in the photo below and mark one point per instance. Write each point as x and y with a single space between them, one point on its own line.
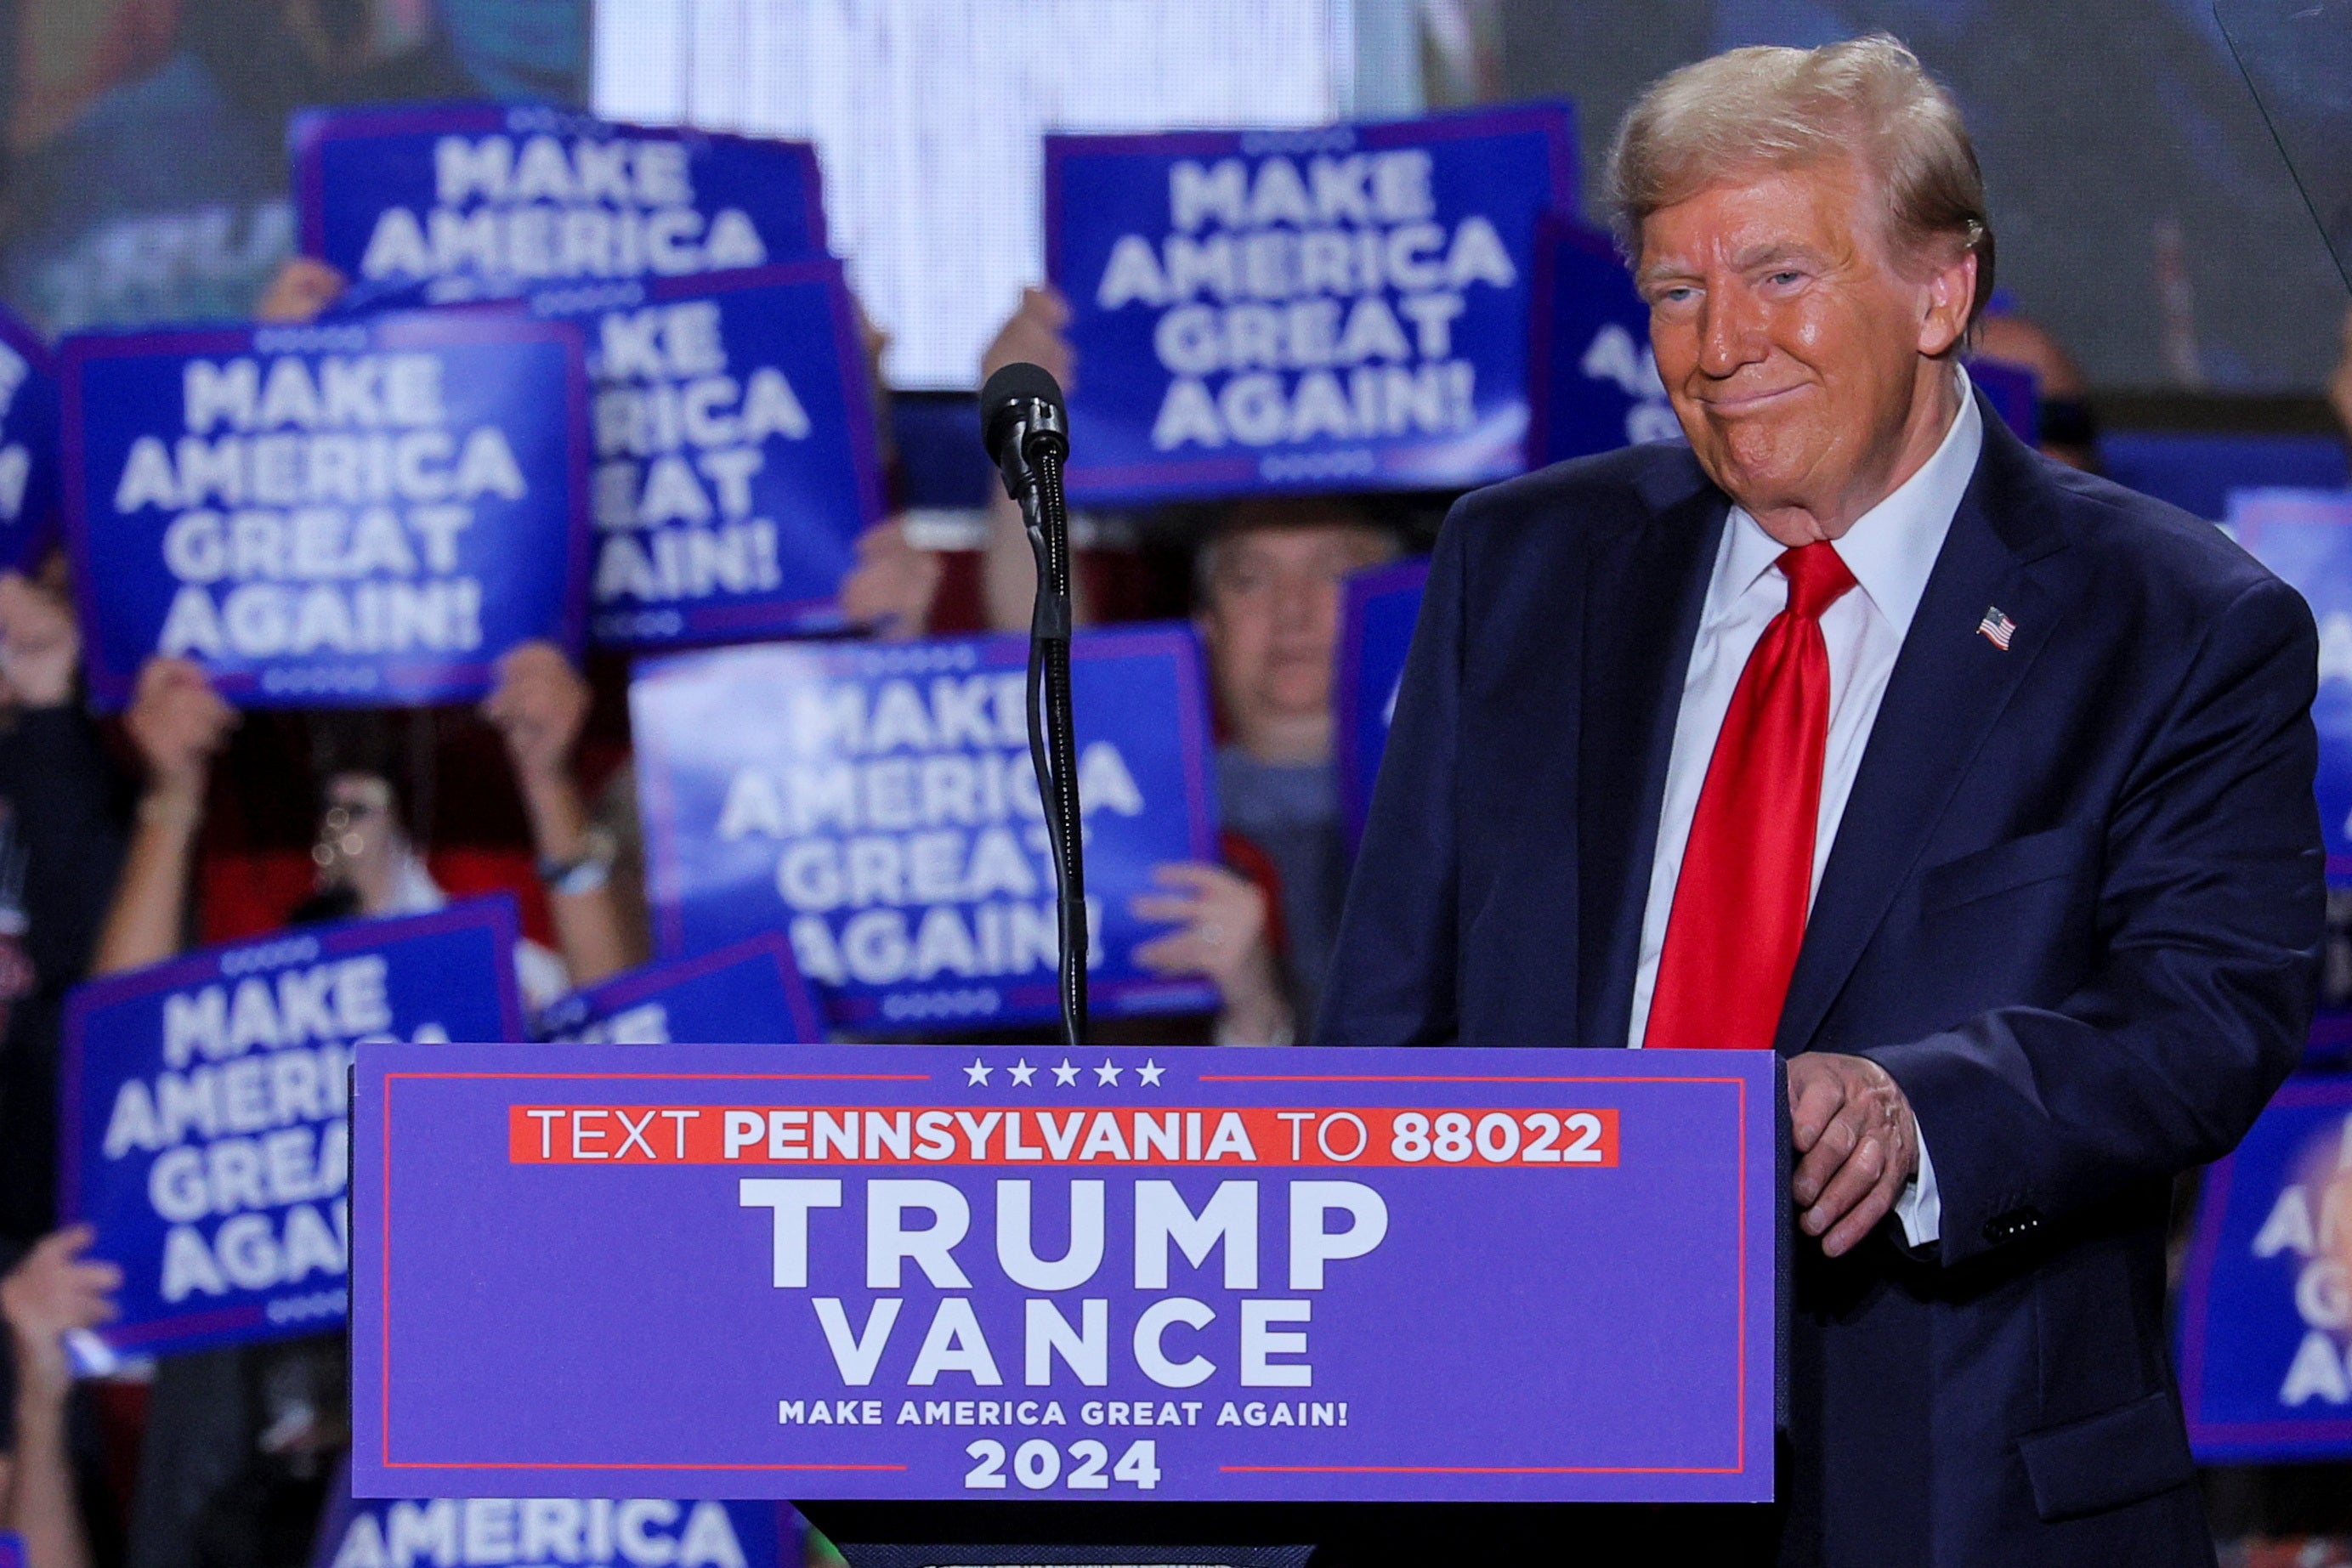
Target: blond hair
1767 108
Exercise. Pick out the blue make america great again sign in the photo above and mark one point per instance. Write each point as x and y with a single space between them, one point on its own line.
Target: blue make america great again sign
2305 537
204 1125
359 512
550 1532
1378 611
1339 308
747 993
2266 1346
883 812
29 447
735 452
431 204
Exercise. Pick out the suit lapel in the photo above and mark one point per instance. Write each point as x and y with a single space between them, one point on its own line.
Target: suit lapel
1950 684
1644 591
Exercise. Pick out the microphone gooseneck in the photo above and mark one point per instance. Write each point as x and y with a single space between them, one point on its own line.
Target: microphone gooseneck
1025 428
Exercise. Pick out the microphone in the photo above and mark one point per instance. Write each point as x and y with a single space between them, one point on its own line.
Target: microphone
1020 411
1026 429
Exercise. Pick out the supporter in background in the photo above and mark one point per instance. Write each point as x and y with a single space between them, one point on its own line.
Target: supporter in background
59 845
367 864
240 1442
49 1292
1267 597
1267 584
2066 429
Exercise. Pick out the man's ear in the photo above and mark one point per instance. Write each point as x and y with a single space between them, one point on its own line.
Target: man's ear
1951 298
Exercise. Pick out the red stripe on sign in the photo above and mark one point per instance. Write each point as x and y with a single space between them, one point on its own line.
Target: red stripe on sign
1459 1137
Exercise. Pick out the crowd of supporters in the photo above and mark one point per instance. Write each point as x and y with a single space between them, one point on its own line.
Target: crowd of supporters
124 843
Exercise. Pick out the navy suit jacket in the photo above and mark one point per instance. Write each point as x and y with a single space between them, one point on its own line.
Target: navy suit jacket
2074 907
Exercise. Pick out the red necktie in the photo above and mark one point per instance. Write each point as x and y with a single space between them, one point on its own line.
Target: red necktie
1738 915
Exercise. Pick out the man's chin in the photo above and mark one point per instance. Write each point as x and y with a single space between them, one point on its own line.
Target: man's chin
1303 699
1750 461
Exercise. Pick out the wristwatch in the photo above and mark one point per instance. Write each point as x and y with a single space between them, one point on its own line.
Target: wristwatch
585 873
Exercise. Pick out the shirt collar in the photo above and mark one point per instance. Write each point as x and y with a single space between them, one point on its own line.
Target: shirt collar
1891 550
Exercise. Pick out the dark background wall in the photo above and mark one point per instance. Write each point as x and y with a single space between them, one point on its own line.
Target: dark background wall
2142 210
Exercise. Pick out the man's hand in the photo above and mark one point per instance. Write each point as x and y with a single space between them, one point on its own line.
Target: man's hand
539 707
302 289
893 584
1034 334
41 646
1857 1141
52 1290
177 721
1221 933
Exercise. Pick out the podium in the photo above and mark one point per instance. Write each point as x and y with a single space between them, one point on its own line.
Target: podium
957 1294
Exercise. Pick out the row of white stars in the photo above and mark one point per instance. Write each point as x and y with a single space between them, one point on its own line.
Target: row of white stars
1021 1072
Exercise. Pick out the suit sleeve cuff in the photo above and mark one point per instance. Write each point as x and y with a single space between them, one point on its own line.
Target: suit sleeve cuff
1920 1209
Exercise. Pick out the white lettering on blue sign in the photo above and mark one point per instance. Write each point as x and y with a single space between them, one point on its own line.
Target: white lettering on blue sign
318 508
911 841
15 459
1613 357
2322 1366
549 207
1324 295
580 1532
679 442
246 1121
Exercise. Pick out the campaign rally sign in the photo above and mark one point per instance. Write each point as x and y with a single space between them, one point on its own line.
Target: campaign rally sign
1337 309
202 1117
1026 1272
2266 1307
747 993
29 447
735 454
438 203
2015 393
357 513
877 804
1595 385
1377 613
557 1532
2305 537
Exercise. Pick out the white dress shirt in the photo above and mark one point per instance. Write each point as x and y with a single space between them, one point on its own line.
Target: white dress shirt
1891 550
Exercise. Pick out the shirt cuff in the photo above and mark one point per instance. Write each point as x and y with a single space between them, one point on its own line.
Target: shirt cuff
1921 1206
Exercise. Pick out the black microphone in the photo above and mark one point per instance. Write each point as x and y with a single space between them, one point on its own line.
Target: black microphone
1021 411
1026 431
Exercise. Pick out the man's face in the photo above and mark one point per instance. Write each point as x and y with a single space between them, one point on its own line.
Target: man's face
1273 612
359 837
1789 341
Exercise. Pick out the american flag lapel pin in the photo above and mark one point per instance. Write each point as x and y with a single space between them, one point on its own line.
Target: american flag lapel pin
1996 628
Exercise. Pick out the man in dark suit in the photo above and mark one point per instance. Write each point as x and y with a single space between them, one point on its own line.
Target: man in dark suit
1979 787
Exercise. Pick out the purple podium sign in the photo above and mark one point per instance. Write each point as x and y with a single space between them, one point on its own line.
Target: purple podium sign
931 1272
